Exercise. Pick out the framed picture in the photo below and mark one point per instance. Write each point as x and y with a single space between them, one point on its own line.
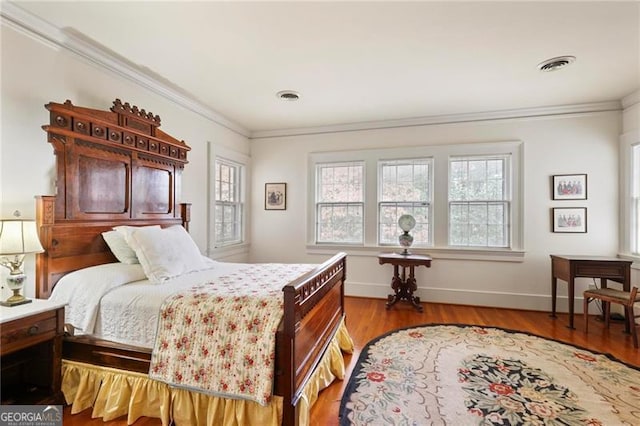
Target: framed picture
570 219
275 196
569 187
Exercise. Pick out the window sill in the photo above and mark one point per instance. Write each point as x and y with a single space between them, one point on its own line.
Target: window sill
494 255
223 252
634 258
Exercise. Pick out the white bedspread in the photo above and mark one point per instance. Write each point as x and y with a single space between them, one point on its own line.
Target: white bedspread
82 290
129 314
116 302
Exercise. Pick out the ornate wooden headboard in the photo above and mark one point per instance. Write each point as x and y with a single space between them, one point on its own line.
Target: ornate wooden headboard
114 168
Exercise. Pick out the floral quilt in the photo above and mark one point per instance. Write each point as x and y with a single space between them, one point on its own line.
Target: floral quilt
219 337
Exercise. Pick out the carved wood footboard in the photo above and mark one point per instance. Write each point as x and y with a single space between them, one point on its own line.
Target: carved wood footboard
313 309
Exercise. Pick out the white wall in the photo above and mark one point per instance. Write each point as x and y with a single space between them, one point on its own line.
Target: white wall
35 73
586 143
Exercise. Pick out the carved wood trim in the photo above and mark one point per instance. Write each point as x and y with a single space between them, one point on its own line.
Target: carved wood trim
79 134
123 125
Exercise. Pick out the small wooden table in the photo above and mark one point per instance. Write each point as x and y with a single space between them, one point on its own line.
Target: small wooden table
570 267
403 285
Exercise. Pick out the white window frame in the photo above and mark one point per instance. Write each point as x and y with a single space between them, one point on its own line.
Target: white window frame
630 195
504 201
235 187
215 247
635 201
404 204
440 155
320 203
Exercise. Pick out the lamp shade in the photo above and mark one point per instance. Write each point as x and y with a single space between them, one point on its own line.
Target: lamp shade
18 237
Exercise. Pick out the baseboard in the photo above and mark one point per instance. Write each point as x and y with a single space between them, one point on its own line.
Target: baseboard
532 302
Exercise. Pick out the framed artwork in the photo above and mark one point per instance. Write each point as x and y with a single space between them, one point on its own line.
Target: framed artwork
569 187
569 219
275 196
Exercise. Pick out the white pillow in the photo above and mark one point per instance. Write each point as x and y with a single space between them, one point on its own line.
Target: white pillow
166 252
126 230
119 247
118 243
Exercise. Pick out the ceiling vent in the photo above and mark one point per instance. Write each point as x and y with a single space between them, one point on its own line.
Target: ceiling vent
554 64
288 95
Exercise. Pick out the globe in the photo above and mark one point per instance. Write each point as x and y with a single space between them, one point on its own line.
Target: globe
406 222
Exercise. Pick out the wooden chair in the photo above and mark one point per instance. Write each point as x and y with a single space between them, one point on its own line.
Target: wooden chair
608 296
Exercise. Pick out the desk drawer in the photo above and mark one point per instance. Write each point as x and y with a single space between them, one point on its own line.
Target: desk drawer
600 270
25 332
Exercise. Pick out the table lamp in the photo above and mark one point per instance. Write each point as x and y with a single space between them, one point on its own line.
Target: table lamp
406 222
17 238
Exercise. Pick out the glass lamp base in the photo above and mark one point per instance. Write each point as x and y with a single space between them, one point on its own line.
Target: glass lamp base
406 240
15 283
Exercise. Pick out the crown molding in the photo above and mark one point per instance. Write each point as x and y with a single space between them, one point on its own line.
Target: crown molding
33 26
631 99
19 19
521 113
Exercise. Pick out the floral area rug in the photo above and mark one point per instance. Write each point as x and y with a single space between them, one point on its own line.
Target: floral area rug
468 375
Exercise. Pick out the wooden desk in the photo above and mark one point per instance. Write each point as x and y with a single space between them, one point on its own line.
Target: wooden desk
569 267
403 285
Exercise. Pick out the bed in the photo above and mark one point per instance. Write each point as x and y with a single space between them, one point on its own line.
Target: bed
117 168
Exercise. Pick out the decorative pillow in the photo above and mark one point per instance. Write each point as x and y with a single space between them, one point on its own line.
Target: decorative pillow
119 247
166 252
126 230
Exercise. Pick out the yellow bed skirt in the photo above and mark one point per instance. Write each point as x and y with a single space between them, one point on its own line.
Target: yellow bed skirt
113 393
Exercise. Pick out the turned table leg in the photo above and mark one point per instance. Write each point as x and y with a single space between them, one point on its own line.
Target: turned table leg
396 286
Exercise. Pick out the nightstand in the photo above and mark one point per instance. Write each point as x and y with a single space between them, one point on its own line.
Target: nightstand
31 352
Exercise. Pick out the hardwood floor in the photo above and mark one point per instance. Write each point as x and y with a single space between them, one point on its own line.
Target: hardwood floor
368 318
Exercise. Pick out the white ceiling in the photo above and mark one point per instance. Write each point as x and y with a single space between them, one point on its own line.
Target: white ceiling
358 62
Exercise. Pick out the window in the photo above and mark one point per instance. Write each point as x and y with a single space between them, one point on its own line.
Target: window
630 194
635 200
404 188
340 203
228 187
466 198
479 201
228 206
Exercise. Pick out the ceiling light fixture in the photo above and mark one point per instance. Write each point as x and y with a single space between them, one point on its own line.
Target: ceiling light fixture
554 64
288 95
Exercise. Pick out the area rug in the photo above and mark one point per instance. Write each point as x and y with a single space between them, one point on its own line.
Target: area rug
468 375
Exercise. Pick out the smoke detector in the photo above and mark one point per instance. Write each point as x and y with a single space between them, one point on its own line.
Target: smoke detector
554 64
288 95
